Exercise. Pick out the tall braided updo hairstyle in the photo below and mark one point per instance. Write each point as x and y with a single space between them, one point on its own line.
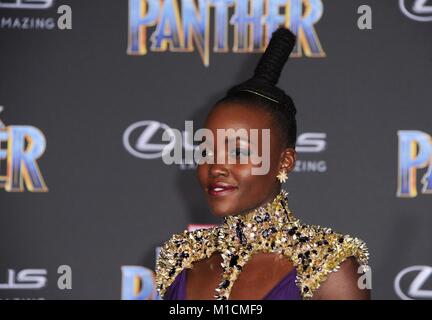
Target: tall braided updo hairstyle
261 90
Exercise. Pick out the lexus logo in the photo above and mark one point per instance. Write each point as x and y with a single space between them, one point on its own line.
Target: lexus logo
419 10
26 4
139 139
422 274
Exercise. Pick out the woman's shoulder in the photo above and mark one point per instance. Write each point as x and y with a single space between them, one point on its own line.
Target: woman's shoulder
321 251
187 239
179 252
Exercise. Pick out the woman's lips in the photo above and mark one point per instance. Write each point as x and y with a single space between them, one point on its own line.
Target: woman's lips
220 189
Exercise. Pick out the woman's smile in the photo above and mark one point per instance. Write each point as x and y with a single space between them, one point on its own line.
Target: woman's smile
219 189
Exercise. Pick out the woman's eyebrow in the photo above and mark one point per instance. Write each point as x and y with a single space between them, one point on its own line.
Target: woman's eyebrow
236 138
227 139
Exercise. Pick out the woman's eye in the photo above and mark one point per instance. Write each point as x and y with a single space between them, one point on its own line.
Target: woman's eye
239 151
206 153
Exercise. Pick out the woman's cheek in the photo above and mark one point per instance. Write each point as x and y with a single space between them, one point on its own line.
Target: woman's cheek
244 173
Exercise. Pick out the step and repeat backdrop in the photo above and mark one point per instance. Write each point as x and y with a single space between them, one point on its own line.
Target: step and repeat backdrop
87 89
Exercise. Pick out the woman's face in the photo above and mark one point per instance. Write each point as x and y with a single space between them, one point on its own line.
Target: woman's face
232 188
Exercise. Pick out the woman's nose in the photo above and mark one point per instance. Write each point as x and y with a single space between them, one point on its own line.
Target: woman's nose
217 169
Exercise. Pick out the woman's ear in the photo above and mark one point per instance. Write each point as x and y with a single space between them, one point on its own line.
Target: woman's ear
288 159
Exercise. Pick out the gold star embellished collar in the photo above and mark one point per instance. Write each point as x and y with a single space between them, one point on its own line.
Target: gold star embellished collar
314 251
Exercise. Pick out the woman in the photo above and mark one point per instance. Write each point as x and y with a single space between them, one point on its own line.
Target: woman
260 251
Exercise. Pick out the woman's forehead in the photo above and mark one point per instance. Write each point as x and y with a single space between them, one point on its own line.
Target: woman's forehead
237 116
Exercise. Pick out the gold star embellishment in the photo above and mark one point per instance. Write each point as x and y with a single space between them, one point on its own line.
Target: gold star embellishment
282 176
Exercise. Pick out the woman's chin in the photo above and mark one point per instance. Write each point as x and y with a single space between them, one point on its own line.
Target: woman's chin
222 212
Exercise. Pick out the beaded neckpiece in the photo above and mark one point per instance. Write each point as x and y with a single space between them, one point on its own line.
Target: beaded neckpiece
314 251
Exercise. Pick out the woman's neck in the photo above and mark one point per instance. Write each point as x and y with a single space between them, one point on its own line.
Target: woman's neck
257 225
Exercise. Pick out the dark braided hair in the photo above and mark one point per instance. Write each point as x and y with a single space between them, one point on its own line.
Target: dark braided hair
261 90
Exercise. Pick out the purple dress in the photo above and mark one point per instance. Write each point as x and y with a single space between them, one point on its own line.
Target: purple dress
286 289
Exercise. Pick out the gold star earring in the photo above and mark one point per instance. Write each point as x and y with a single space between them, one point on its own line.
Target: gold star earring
282 176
